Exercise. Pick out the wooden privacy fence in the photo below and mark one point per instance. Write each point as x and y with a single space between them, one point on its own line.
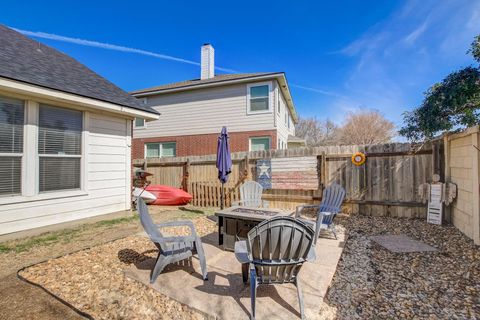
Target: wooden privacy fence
386 185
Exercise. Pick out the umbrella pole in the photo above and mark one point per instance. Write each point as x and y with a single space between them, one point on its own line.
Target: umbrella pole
222 197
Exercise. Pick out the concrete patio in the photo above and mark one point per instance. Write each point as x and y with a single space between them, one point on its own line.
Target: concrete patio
224 296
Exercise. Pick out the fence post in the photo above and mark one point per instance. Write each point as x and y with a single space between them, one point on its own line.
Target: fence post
186 173
248 174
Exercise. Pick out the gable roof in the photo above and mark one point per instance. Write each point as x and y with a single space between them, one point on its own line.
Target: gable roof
26 60
195 82
220 80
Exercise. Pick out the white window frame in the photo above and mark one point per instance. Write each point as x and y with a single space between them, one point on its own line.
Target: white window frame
259 84
260 137
139 127
80 156
30 158
160 149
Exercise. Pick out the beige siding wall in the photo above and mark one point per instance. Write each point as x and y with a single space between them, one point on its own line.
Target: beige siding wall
205 111
462 169
282 127
106 178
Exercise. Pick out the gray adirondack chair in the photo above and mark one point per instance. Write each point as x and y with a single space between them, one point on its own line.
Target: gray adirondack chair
251 195
331 204
274 252
171 249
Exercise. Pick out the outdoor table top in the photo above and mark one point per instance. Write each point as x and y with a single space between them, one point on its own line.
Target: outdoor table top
250 213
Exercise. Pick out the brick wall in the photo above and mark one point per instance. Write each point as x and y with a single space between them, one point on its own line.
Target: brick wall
203 144
462 162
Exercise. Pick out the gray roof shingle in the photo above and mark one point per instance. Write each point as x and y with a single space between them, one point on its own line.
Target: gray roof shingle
24 59
192 83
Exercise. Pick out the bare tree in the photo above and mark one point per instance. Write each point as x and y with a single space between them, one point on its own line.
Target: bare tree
366 127
317 133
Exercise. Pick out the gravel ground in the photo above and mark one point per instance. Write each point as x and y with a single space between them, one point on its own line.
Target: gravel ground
93 281
372 282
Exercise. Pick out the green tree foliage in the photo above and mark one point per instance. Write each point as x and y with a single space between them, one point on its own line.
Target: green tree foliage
452 104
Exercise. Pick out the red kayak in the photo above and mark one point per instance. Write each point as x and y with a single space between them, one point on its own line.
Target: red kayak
167 195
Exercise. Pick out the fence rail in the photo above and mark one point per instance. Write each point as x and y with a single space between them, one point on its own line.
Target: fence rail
385 185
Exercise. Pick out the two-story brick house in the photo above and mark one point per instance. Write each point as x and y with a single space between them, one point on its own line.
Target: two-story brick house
257 109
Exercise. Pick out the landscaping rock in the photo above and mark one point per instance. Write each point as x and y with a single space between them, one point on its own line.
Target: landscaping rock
372 282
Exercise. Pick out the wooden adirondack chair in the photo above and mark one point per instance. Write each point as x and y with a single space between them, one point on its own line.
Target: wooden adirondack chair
171 249
251 195
331 204
274 252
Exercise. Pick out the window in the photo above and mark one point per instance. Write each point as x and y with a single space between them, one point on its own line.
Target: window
258 98
279 107
59 148
139 123
11 145
161 150
259 144
288 119
286 116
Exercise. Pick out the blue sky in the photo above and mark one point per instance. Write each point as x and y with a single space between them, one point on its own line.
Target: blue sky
339 56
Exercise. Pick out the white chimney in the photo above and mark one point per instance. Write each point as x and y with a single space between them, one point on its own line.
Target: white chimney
207 62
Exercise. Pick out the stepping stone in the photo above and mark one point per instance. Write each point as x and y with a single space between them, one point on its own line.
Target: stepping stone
401 244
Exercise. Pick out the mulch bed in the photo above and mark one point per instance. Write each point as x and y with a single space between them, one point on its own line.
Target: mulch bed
93 280
372 282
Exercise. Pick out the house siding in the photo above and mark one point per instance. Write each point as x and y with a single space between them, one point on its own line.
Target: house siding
106 179
202 144
282 128
205 111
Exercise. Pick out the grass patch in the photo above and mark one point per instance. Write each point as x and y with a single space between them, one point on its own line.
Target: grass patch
116 221
68 235
64 236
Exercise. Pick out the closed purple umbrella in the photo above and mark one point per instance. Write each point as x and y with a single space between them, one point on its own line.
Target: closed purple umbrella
224 161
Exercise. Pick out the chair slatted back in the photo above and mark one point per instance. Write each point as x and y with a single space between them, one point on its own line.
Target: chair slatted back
148 224
332 199
251 194
278 248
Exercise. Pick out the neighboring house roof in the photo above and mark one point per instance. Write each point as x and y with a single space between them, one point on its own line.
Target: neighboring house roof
221 80
295 139
26 60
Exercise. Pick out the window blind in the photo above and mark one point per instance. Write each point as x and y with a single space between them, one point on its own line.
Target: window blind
11 145
10 175
59 173
59 148
59 131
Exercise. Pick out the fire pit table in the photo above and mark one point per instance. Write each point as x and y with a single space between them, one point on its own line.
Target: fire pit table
235 222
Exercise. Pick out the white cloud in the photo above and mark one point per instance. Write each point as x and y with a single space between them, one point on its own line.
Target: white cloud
109 46
399 58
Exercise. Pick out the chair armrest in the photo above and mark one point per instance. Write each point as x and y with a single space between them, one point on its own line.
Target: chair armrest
299 209
184 223
241 252
178 239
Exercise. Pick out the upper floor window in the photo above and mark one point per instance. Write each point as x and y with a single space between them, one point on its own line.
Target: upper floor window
258 98
11 145
259 143
59 148
139 123
160 150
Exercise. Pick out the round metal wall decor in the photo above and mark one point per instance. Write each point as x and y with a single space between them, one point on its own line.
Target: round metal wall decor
358 158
